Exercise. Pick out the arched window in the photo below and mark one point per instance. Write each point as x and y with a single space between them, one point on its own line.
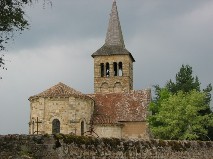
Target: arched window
115 66
107 69
104 87
120 67
117 87
102 69
82 128
55 126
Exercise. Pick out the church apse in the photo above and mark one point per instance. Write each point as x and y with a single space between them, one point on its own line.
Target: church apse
60 109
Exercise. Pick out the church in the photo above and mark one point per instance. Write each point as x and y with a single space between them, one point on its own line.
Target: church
113 110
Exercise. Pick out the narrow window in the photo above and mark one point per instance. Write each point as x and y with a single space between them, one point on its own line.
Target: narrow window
107 69
82 128
115 66
102 69
55 126
120 67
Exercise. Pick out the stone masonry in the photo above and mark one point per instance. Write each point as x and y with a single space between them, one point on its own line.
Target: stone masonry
77 147
63 103
113 83
115 110
113 63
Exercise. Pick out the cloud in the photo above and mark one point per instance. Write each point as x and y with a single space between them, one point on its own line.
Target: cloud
31 71
161 35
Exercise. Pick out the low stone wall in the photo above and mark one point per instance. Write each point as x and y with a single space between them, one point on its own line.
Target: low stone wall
77 147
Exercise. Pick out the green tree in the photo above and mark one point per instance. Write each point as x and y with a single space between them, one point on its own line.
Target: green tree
185 83
160 95
178 117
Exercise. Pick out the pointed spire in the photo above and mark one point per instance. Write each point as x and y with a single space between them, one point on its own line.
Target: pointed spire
114 35
114 43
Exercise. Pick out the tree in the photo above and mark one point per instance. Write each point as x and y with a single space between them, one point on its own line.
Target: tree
13 20
160 95
178 117
185 83
2 63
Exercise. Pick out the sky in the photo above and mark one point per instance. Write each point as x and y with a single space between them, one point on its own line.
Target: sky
161 35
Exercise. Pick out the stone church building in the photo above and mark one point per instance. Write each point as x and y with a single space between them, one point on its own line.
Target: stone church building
114 110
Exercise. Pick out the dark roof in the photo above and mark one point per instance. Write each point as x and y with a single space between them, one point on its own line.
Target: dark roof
59 90
113 108
112 50
114 34
114 43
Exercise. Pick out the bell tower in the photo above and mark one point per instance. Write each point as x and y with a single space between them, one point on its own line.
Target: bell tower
113 63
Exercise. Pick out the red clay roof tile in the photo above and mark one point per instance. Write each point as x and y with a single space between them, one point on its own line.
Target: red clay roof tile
59 90
117 107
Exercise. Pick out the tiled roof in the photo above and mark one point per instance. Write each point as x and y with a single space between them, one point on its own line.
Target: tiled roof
113 108
59 90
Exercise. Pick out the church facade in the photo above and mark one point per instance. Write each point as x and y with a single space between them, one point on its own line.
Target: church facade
113 110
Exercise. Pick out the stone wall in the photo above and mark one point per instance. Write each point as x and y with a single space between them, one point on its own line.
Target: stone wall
70 111
108 131
126 130
113 83
74 147
135 130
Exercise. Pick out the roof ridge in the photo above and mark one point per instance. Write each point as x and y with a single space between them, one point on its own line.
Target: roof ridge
69 88
59 90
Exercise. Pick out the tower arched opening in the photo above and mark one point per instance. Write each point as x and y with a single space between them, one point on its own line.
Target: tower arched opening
120 68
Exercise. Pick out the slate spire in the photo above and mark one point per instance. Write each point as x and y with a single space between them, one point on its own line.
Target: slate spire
114 43
114 35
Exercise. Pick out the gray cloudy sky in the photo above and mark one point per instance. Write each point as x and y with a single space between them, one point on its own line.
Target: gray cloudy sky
161 34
